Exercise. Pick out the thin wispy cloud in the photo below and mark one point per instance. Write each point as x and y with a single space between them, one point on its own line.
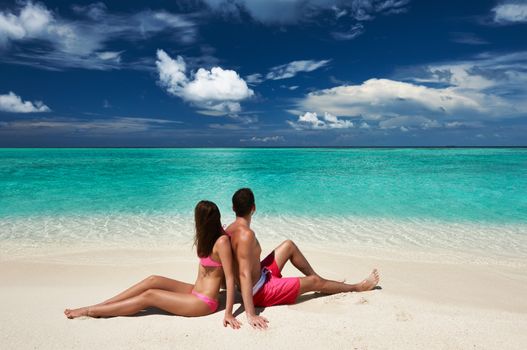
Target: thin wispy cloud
287 71
499 76
255 78
424 123
467 38
339 12
51 41
264 139
279 12
353 32
93 126
232 127
13 103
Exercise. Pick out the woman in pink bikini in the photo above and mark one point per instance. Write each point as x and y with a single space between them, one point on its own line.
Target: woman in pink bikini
180 298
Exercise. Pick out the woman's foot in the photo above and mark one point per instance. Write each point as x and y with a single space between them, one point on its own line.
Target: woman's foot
82 311
370 282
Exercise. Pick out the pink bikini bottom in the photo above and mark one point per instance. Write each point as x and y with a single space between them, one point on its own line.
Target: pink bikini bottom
213 304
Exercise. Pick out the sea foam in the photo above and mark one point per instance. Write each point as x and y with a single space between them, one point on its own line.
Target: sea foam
354 235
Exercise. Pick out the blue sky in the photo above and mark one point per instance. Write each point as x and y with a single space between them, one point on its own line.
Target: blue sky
263 73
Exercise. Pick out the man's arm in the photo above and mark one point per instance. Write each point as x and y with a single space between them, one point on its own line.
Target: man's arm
243 254
225 252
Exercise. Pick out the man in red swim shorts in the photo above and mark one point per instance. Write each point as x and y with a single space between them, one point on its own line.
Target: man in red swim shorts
261 283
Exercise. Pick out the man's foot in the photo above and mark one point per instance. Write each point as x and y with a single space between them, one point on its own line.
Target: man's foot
370 282
82 311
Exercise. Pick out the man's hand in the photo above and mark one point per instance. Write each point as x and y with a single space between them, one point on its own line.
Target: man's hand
231 321
257 322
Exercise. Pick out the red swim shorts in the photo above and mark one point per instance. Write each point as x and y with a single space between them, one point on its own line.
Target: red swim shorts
276 290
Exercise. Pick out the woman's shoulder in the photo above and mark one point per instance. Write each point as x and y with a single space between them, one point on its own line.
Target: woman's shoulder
222 246
223 243
223 240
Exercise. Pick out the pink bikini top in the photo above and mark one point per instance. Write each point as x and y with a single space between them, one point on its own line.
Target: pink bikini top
208 262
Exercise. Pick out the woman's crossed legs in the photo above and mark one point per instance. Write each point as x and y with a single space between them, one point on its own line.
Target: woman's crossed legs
154 291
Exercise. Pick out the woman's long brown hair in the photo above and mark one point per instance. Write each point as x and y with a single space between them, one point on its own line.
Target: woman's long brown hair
208 227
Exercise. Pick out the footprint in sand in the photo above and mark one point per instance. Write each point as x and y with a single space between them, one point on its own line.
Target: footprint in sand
362 301
335 304
404 316
358 344
334 297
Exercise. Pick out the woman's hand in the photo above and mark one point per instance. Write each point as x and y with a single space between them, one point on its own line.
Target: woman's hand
231 321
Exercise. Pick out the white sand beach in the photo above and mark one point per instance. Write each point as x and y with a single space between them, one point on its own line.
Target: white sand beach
422 305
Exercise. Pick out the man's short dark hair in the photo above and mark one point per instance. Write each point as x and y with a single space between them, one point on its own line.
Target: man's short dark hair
243 201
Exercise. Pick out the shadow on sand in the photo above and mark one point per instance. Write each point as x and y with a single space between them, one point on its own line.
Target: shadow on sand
237 300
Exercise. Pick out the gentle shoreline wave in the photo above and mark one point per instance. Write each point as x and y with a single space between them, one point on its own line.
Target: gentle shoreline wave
397 237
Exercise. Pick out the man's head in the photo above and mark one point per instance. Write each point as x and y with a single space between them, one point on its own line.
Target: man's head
243 202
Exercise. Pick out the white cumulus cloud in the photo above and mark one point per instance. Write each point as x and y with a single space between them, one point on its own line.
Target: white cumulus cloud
217 91
32 21
376 98
510 12
172 73
13 103
310 120
456 94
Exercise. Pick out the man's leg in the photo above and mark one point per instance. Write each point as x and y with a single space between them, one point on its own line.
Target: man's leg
316 283
288 251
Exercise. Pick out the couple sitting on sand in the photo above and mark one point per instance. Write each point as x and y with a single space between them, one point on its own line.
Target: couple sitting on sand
261 283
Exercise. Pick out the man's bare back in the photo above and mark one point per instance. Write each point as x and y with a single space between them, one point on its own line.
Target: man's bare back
239 230
247 252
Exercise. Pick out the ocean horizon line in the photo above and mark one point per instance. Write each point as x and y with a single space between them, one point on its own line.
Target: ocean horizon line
267 147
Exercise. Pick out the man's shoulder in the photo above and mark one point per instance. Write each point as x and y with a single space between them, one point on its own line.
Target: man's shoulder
240 232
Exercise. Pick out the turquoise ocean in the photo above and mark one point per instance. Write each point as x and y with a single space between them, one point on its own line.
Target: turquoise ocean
454 199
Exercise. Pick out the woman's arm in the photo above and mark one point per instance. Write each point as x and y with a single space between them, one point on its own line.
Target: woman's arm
225 252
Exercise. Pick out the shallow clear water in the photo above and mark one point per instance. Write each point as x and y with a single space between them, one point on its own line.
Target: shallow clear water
454 201
475 185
